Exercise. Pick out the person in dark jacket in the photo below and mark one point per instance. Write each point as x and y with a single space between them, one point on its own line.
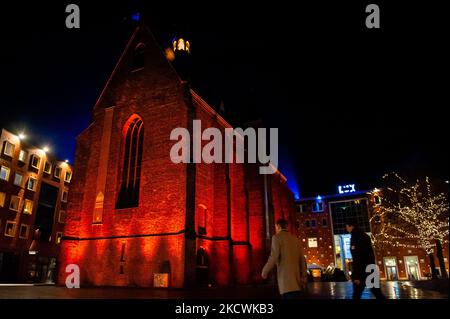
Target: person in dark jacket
363 255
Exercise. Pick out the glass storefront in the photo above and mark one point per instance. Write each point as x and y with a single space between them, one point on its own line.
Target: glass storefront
343 211
41 270
412 267
343 252
390 265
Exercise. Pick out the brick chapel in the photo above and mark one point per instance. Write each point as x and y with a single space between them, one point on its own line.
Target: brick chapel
135 218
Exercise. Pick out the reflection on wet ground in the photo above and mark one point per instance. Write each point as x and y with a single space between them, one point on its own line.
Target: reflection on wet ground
316 290
391 289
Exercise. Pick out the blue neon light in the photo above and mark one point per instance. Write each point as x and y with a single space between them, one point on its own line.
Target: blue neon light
136 16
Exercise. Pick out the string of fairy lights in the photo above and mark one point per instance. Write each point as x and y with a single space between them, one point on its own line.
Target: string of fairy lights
411 215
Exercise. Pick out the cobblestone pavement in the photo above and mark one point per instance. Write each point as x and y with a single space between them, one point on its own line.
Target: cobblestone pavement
316 290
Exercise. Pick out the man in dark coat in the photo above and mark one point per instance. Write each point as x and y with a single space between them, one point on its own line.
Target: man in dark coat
363 255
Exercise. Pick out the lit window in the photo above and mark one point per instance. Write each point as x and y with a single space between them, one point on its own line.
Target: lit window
8 149
14 203
24 230
4 173
64 196
18 179
62 217
133 134
312 242
10 229
35 161
23 156
58 237
32 183
57 173
181 45
97 216
47 167
201 220
122 251
28 207
2 199
68 177
317 207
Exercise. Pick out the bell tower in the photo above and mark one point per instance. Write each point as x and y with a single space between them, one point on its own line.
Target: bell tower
179 53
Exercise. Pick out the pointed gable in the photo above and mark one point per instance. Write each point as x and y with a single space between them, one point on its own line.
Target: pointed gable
141 68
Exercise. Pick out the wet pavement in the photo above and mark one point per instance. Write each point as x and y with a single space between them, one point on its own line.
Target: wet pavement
316 290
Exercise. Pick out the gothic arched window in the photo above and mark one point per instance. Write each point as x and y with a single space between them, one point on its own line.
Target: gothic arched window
139 57
201 219
133 134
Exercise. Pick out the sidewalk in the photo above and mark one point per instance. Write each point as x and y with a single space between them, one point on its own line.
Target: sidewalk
439 285
317 290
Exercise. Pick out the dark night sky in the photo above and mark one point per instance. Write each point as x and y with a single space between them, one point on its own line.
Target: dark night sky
350 103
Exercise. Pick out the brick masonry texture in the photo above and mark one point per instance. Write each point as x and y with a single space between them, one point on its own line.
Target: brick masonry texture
162 234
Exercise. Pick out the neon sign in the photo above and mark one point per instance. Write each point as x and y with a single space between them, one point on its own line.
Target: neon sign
349 188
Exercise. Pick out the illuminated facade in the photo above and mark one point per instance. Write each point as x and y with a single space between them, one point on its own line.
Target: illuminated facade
33 194
137 219
320 225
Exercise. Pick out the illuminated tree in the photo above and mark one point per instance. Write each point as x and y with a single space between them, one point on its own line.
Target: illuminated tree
413 216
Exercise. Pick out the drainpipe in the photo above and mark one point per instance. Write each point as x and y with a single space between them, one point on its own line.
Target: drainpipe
266 214
267 211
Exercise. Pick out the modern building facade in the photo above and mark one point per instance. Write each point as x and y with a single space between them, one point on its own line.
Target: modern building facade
135 218
320 223
34 189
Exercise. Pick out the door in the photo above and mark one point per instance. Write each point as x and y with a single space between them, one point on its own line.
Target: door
412 267
391 272
9 267
390 265
202 267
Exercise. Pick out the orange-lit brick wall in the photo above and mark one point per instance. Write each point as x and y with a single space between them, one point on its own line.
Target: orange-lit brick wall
191 219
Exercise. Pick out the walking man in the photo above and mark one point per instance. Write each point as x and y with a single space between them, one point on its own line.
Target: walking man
363 255
287 254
